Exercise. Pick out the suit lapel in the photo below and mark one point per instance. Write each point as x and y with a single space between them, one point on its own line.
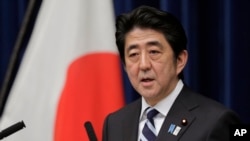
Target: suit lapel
173 127
131 123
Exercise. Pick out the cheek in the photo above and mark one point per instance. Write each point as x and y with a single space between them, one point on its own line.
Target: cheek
164 70
133 77
132 70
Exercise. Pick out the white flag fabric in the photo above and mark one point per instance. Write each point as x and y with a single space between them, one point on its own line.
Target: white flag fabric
70 73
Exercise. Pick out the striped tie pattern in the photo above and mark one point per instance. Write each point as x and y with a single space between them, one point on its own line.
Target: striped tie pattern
148 131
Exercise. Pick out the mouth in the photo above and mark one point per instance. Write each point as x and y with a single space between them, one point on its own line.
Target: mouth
146 82
146 79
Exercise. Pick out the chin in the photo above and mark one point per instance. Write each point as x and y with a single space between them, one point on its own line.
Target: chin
148 95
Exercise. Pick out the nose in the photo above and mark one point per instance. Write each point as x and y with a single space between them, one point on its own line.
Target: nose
145 63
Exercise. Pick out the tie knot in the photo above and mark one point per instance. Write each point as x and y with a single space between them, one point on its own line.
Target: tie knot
151 112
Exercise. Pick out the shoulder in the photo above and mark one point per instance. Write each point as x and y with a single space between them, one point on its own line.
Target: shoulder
205 107
212 119
190 97
131 108
124 115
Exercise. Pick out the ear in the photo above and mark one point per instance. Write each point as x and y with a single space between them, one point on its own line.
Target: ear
181 61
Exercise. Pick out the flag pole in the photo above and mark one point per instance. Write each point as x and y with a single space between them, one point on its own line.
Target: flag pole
20 44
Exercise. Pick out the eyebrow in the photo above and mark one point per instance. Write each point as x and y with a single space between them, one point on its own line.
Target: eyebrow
132 47
150 43
155 43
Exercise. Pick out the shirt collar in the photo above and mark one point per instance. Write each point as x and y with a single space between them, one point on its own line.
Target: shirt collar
165 104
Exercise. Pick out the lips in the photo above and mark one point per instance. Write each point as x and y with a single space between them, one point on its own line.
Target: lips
146 79
147 82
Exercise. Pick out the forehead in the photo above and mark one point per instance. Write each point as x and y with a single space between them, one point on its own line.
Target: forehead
142 36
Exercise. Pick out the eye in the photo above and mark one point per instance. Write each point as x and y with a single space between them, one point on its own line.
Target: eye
133 54
153 52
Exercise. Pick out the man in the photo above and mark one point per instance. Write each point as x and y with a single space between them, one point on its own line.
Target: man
152 46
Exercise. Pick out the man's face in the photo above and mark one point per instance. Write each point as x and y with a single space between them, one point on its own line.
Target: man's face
150 64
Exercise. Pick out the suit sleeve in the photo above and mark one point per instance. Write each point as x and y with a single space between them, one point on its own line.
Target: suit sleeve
221 128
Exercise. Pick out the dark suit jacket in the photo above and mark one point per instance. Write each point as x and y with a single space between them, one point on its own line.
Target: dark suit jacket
207 120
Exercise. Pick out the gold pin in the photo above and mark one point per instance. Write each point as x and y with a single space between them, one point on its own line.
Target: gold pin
184 122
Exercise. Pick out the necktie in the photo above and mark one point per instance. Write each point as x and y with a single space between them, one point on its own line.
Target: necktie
148 131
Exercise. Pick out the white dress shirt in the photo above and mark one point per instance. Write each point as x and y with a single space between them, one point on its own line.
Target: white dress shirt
163 108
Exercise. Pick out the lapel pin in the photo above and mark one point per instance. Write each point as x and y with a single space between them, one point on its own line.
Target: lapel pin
174 129
184 122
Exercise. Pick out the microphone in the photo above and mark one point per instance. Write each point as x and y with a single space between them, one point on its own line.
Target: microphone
12 129
90 131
